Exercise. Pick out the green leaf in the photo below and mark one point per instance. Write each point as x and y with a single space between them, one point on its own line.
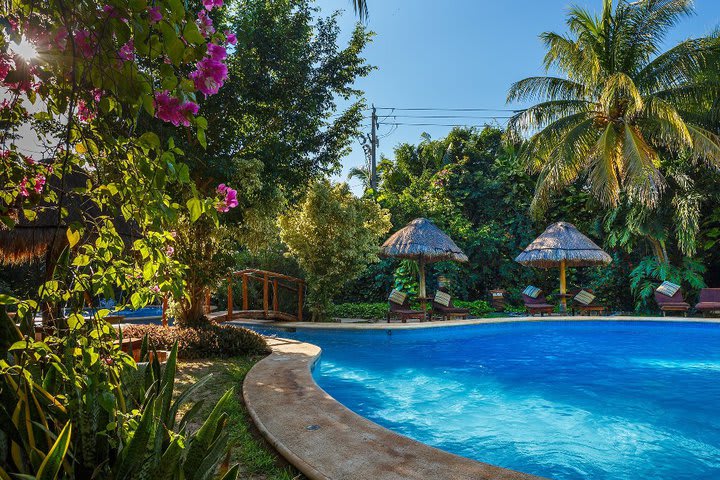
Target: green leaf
201 137
150 139
54 459
232 474
8 300
191 33
195 208
73 236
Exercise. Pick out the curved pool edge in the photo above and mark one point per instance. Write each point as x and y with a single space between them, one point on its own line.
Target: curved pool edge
326 441
382 325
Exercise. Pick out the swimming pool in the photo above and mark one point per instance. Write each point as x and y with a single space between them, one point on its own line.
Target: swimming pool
566 400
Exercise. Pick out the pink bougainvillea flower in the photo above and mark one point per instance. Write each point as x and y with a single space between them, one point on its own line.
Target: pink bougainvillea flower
13 24
6 65
85 43
39 183
170 109
216 52
83 111
210 4
23 187
60 38
209 76
96 94
5 104
29 160
154 15
155 289
205 24
169 250
230 37
229 199
111 11
127 51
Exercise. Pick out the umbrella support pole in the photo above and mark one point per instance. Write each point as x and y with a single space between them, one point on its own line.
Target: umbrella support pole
563 287
421 284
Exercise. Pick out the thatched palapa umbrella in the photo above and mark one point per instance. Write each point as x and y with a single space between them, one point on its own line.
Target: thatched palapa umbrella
562 245
422 241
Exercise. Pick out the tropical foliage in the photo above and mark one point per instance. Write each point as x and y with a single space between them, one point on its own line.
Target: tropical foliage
624 117
334 237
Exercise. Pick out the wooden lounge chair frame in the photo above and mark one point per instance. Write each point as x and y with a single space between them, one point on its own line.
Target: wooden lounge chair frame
449 312
537 305
592 307
709 302
676 303
404 312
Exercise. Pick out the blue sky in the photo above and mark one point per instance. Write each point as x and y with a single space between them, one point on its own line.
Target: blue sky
461 54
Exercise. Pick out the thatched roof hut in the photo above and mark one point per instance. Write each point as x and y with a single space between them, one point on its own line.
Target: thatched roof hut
562 241
562 245
32 239
421 240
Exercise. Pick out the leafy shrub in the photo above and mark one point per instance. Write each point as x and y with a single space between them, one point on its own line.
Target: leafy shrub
372 311
650 273
477 308
213 341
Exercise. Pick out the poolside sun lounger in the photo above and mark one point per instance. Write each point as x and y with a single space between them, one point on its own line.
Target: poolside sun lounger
400 308
537 303
585 301
669 298
709 301
442 307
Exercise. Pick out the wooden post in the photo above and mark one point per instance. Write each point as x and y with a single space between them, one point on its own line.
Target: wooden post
301 285
164 310
421 286
276 303
563 287
245 291
265 294
230 299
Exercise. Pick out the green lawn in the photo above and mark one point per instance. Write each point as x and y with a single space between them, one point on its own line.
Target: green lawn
258 461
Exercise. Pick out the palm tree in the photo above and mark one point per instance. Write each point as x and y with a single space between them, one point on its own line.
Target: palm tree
361 8
362 174
619 104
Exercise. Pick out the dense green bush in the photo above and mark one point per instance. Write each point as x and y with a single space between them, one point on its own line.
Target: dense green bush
213 341
372 311
477 308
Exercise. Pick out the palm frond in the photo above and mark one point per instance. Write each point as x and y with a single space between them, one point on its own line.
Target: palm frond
546 88
706 145
663 123
620 92
361 8
564 164
543 114
604 174
642 179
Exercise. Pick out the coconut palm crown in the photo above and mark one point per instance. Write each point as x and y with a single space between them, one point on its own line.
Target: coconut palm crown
618 103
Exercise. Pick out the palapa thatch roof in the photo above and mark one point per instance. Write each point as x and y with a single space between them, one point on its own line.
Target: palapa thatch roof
422 239
562 241
30 240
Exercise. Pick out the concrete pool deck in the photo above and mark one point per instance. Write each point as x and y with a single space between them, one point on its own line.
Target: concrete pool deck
357 324
327 441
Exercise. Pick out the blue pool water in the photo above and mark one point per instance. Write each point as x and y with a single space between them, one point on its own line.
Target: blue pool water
565 400
151 311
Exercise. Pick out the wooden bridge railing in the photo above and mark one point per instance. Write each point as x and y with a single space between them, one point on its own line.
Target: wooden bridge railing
268 279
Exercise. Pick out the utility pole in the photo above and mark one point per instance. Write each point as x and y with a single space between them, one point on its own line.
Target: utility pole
373 149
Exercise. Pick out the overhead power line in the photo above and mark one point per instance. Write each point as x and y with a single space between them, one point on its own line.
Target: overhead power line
436 109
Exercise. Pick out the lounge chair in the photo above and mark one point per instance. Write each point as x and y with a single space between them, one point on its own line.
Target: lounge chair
400 308
442 307
538 303
585 301
709 301
669 298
